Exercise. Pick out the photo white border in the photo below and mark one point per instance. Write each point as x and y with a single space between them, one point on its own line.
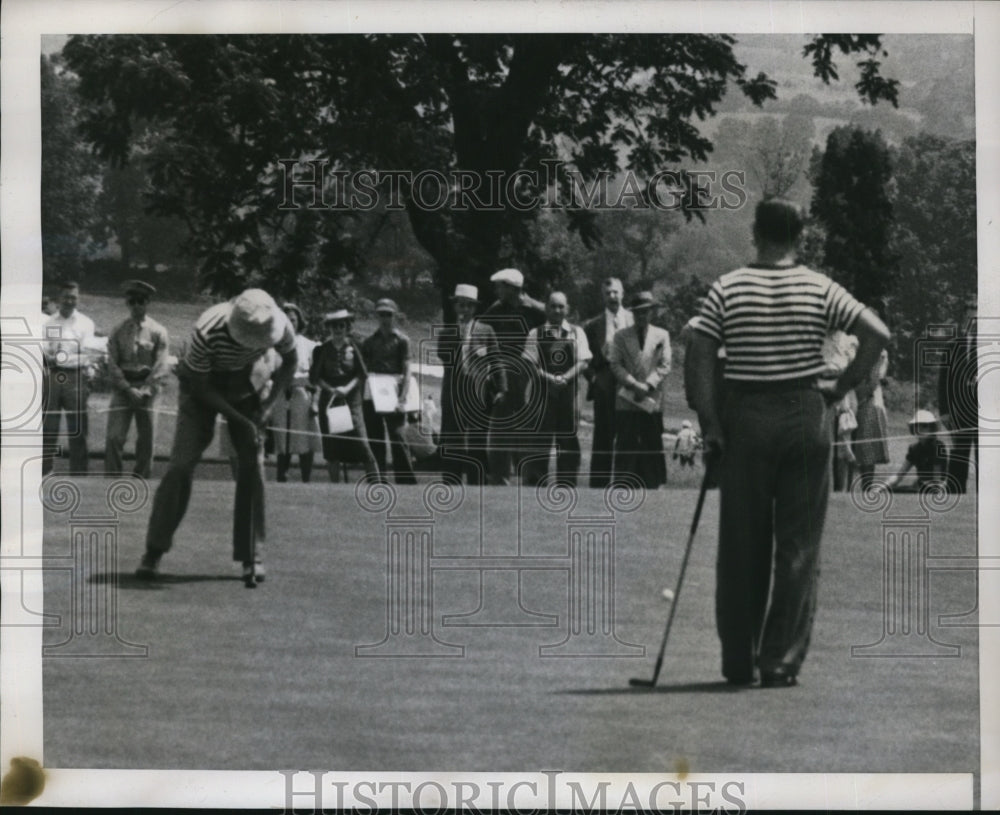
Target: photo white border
25 21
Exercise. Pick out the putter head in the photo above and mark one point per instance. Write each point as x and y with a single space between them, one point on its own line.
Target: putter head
640 683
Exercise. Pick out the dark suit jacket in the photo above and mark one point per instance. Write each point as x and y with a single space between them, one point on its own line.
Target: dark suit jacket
469 386
600 378
957 394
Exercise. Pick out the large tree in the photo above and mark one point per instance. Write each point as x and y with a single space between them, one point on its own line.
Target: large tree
70 181
934 237
852 201
230 108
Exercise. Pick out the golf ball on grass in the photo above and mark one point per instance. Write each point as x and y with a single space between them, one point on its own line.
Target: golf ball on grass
667 594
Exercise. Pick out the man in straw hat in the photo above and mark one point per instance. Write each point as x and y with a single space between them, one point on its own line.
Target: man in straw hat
137 357
214 376
928 456
474 382
771 440
639 356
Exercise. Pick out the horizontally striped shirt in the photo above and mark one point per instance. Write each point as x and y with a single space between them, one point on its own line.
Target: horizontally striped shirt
212 347
772 320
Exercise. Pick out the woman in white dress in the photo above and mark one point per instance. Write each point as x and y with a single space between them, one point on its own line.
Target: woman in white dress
296 430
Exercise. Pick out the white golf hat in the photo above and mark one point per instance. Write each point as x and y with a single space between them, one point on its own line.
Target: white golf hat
923 417
463 291
510 276
686 423
255 320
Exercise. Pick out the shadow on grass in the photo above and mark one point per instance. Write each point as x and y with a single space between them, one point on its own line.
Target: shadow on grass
128 580
684 687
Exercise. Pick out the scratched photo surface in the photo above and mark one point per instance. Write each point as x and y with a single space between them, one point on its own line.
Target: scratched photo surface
508 559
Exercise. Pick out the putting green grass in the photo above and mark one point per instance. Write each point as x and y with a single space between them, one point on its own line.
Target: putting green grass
239 679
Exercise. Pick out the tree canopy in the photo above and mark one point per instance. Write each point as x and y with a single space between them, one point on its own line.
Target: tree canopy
229 108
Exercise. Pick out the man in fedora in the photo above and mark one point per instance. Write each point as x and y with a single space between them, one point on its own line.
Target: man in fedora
387 351
474 383
601 383
67 334
214 376
639 357
137 357
511 316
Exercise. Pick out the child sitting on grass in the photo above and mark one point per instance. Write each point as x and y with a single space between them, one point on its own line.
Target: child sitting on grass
927 455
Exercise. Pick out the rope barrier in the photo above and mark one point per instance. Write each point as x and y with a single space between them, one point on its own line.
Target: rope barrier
667 436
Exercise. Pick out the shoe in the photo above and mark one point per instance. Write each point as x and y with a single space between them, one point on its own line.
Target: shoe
149 567
249 575
258 562
778 678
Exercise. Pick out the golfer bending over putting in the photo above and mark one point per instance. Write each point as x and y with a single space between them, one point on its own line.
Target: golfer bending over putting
214 378
771 437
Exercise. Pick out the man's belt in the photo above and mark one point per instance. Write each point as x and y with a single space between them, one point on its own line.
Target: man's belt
137 376
801 383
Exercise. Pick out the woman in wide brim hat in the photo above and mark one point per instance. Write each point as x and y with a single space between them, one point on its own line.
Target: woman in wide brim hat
338 371
295 427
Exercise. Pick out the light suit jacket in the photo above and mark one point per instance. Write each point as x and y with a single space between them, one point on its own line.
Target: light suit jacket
630 364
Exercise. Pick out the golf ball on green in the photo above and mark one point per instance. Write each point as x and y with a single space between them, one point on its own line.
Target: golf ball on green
667 594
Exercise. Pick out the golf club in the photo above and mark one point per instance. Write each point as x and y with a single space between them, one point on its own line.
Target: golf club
636 682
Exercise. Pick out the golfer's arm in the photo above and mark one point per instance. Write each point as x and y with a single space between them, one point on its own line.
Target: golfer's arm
700 381
282 378
204 390
872 336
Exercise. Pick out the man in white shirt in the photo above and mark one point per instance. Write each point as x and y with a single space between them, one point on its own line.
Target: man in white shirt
559 351
67 333
601 381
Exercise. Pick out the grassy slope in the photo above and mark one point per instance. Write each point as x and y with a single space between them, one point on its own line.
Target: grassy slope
239 679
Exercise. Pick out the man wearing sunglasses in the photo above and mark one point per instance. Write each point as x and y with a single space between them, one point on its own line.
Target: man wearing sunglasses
137 356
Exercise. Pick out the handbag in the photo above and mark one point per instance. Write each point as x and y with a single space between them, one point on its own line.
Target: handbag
339 420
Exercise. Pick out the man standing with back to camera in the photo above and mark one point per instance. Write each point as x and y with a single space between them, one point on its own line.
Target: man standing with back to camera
771 442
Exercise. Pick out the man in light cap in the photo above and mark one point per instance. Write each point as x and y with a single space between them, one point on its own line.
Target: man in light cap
511 317
474 382
387 351
214 376
137 357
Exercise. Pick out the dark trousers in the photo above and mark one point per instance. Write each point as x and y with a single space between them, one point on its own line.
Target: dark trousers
964 445
557 429
775 482
66 391
602 453
120 414
639 448
505 440
378 426
195 428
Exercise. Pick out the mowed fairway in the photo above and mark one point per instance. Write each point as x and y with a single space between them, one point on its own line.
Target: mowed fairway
268 678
